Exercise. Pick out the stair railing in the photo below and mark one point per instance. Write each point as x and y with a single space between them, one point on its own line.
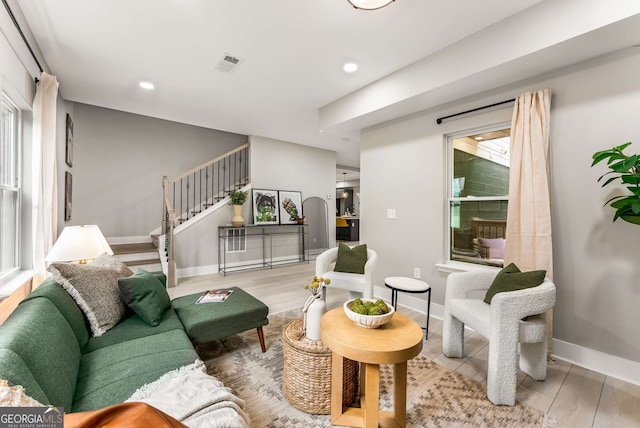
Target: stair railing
192 192
168 224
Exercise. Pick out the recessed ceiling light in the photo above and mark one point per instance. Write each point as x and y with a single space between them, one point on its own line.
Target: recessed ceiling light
350 67
147 85
345 139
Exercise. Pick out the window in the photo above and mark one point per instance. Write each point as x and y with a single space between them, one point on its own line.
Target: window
9 188
478 191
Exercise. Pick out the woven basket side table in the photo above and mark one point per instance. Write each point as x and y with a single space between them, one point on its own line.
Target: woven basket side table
306 375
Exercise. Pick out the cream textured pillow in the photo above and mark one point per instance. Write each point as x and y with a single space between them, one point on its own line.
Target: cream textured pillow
94 287
14 396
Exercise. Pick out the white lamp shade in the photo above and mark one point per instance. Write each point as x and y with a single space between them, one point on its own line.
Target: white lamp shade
79 243
370 4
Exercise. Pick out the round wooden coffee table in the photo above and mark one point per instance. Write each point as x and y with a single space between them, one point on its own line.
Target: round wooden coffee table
394 343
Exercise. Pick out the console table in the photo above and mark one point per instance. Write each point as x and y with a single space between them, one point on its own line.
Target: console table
265 234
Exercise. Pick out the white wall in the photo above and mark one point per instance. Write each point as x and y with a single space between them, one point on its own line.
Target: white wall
596 264
282 165
119 160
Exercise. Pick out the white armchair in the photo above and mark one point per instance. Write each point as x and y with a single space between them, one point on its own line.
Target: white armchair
501 323
358 285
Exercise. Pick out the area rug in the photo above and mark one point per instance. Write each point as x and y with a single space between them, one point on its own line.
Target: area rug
436 396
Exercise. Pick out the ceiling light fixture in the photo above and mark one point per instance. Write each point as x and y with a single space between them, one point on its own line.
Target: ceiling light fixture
350 67
370 4
147 85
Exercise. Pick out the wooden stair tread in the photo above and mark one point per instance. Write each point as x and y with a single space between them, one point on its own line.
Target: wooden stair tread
142 247
142 262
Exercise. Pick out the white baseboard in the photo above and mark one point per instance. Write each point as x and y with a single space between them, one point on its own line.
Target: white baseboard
607 364
196 271
115 240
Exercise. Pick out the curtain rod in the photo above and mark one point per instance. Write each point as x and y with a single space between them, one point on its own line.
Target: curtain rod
24 39
440 119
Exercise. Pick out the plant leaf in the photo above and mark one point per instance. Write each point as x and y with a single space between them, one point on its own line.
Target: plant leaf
631 178
614 199
609 180
635 207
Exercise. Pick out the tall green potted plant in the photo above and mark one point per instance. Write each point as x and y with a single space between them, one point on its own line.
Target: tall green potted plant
626 169
238 199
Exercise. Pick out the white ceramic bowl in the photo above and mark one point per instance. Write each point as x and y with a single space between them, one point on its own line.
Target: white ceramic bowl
367 321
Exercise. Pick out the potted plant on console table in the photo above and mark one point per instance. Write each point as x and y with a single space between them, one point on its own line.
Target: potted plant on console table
627 169
238 198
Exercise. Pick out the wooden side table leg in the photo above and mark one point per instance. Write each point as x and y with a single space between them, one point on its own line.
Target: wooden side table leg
337 369
400 393
370 403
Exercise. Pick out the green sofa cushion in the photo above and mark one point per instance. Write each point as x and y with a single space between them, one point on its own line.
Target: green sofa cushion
146 295
113 373
54 292
211 321
132 328
351 260
43 354
511 279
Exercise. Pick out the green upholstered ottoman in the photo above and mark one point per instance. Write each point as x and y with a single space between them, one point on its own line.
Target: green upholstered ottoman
206 322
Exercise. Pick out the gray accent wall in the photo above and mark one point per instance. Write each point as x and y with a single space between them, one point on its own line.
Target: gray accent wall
119 160
596 262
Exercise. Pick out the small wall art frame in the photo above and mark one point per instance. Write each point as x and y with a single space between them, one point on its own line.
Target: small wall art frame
68 187
290 206
265 206
69 144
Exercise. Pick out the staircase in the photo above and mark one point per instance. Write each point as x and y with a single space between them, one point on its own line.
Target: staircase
142 255
192 194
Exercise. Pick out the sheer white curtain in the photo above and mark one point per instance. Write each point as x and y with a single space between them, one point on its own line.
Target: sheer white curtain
528 235
44 167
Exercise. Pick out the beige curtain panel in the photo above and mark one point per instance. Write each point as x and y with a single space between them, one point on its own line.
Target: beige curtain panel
528 235
44 143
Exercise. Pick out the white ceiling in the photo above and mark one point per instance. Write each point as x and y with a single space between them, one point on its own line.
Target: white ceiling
292 52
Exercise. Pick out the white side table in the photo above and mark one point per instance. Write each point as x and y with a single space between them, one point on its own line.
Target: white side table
409 285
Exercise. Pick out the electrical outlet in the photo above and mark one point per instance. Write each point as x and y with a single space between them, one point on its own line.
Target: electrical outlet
391 213
416 273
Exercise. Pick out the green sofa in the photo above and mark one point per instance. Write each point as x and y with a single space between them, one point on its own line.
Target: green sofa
46 346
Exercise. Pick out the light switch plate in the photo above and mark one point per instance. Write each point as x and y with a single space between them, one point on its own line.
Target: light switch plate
391 213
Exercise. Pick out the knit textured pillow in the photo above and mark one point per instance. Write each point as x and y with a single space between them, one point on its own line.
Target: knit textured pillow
511 279
94 287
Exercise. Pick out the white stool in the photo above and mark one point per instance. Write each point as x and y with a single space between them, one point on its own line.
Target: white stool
409 285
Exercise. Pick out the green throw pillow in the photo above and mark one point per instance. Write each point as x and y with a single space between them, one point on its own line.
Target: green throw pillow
351 260
511 279
146 295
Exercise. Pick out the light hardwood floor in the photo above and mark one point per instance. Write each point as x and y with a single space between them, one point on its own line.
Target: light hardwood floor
576 396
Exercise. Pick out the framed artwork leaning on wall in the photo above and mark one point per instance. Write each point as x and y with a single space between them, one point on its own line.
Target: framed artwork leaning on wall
265 206
290 206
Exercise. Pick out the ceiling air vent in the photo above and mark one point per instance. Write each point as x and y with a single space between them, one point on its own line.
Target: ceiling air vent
228 63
